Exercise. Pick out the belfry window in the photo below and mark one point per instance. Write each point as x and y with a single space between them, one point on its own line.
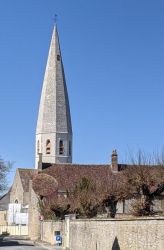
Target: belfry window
70 149
48 147
61 147
38 147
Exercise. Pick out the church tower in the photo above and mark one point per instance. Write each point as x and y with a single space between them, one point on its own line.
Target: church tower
54 130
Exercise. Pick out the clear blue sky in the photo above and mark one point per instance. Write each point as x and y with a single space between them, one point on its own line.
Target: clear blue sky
113 53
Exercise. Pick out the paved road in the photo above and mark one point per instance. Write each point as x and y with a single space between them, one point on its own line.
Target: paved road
8 243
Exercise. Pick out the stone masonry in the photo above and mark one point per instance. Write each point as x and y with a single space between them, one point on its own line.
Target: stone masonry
54 119
17 192
105 234
34 223
139 234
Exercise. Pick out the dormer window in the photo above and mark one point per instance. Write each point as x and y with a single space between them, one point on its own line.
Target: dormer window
58 57
61 147
48 147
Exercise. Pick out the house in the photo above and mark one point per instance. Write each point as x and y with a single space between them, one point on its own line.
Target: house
17 194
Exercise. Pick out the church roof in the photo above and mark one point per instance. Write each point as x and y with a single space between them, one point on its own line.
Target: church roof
69 174
4 201
26 175
54 111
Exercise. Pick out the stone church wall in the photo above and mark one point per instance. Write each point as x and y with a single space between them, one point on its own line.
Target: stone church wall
33 223
26 198
126 206
16 192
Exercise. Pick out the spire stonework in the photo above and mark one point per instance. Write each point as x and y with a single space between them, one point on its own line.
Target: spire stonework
54 130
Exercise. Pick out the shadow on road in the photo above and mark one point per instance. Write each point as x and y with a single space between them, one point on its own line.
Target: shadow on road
11 242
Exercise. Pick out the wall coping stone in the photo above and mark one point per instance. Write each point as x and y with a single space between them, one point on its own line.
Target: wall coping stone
114 219
121 219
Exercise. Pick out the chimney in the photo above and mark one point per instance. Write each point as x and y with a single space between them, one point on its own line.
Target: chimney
40 161
114 161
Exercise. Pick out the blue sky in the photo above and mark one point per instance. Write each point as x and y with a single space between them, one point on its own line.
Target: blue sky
113 53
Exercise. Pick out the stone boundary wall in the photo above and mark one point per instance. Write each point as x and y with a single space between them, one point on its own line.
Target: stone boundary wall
107 234
136 234
48 229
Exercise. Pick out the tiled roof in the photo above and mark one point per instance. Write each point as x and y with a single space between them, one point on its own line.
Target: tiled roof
26 175
69 174
4 201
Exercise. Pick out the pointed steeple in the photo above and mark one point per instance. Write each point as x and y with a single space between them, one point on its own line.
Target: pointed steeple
54 130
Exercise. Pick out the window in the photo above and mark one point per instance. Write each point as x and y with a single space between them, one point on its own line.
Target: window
58 57
16 201
57 233
48 147
70 148
61 147
38 147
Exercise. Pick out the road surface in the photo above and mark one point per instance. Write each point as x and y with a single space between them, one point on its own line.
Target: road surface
8 243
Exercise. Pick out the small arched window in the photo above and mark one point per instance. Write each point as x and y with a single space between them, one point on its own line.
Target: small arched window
61 147
48 147
16 201
38 147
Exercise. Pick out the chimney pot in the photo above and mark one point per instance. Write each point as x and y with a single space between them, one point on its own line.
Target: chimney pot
114 161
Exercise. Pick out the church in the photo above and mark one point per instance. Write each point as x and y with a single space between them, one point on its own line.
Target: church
53 143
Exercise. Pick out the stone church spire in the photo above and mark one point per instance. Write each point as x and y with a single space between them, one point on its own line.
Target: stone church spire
54 130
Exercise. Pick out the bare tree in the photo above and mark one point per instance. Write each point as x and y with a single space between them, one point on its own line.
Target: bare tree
147 180
4 170
44 185
85 198
115 189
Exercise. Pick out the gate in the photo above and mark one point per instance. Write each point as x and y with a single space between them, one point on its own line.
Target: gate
17 230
